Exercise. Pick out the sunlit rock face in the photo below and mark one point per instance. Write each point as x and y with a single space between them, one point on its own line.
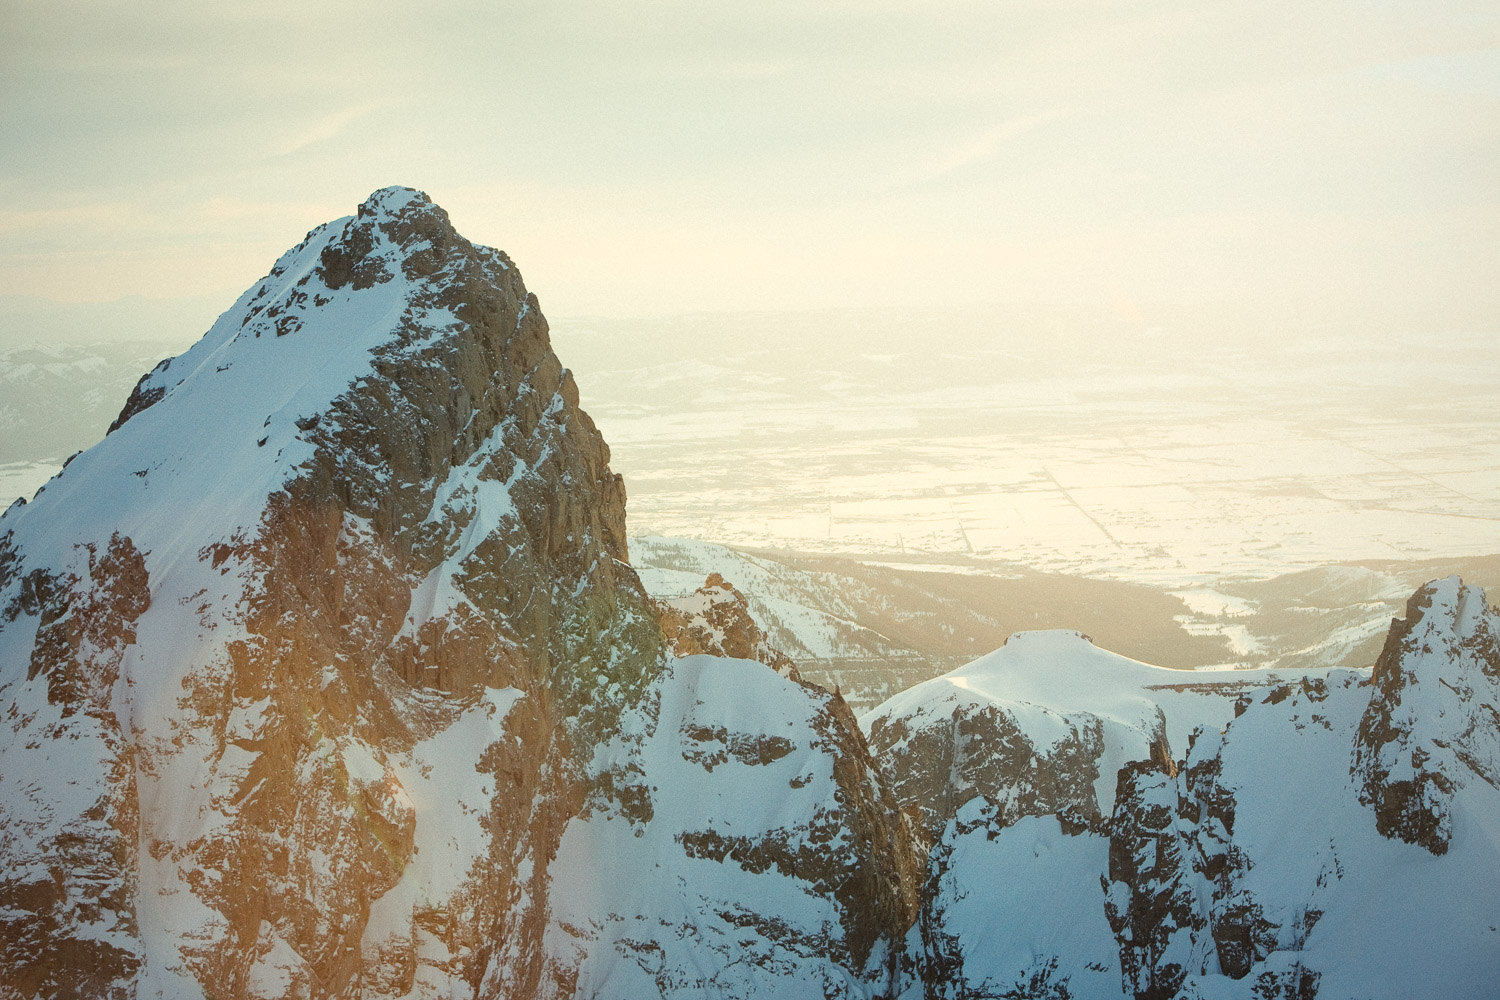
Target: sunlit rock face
307 669
716 619
1328 835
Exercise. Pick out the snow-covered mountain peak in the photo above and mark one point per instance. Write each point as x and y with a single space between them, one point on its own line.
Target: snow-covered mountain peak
336 641
1447 610
384 352
1063 671
1041 726
397 200
397 235
1046 640
360 529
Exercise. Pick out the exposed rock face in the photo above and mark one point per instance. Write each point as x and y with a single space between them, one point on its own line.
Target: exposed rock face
1183 895
77 873
854 846
1420 743
1151 899
760 860
716 620
985 754
1241 935
328 636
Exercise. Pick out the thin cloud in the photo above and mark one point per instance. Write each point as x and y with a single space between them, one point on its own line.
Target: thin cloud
984 145
722 69
325 128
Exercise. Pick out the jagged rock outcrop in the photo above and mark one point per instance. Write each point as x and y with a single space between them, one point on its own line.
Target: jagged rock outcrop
1256 865
1150 894
1184 893
716 620
329 637
1419 743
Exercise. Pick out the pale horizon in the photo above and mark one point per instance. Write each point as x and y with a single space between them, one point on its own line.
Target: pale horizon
1247 160
828 277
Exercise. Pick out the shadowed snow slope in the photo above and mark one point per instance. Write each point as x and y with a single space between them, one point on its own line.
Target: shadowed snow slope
1331 835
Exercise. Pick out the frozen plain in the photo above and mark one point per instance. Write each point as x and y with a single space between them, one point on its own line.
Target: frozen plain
1150 458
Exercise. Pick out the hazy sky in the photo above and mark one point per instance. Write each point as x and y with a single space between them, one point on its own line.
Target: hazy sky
662 157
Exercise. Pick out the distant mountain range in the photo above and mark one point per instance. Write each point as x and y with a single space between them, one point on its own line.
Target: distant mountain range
58 398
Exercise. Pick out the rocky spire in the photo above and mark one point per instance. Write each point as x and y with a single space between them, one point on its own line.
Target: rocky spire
1431 727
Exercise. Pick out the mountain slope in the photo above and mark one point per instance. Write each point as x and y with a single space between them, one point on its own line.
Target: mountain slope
363 504
770 860
323 639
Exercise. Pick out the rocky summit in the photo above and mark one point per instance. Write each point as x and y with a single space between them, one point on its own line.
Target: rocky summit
326 675
318 660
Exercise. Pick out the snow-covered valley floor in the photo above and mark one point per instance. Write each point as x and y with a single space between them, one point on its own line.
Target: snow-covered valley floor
1169 461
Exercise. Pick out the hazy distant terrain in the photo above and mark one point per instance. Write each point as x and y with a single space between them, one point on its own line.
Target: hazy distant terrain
873 631
945 441
901 507
58 398
971 442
